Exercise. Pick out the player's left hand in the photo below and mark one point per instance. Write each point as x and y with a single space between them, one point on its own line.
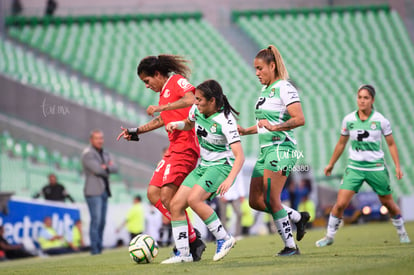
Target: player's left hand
398 173
124 133
224 187
153 109
266 124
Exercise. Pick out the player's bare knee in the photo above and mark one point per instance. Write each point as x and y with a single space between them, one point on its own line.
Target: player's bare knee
193 201
153 197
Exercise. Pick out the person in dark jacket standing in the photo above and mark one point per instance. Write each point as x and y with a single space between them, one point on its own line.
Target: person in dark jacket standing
97 165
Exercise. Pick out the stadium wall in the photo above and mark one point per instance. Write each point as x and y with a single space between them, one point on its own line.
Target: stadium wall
74 121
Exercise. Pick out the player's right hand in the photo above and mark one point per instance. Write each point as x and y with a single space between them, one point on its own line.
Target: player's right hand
328 170
124 133
171 127
241 130
153 109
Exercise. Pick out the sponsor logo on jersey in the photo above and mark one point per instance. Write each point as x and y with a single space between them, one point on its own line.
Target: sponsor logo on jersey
373 126
183 83
272 93
213 128
167 93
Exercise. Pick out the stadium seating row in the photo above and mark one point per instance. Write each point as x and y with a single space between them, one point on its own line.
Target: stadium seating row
24 168
108 49
27 68
329 53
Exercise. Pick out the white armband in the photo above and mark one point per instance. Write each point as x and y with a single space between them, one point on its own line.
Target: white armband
179 124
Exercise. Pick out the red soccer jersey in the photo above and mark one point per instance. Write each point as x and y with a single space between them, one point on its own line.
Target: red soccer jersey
175 88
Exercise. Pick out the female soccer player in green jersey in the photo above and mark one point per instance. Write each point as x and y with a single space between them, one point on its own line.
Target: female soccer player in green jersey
221 160
278 112
365 127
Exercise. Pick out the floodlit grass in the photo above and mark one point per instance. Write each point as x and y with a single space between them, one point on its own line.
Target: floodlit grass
362 249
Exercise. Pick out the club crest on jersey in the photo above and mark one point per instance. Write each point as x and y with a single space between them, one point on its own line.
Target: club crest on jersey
272 93
183 83
373 126
167 93
213 128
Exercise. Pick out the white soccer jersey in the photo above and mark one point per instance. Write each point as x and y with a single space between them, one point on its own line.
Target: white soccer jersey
365 152
272 105
215 135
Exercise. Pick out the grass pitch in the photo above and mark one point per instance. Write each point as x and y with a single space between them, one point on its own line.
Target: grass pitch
361 249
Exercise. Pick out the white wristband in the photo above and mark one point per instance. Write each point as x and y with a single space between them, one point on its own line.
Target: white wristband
179 124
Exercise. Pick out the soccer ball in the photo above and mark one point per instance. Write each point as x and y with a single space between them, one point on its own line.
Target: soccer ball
143 249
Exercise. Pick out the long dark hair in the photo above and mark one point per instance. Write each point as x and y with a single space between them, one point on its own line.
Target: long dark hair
164 64
211 88
272 54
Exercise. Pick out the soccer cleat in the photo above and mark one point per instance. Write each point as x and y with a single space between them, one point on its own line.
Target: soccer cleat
178 259
404 238
301 225
325 241
289 251
197 247
223 248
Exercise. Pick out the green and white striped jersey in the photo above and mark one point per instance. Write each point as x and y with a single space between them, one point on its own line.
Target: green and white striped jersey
365 152
215 135
272 105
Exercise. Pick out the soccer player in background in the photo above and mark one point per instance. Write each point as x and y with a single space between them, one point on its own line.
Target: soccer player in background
221 160
365 127
176 99
278 112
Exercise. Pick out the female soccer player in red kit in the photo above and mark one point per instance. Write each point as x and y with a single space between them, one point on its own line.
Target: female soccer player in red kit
176 99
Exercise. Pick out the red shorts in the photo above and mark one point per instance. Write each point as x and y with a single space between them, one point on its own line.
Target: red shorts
174 168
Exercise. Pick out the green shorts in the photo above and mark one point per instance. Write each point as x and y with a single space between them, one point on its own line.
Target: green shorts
378 180
275 158
208 177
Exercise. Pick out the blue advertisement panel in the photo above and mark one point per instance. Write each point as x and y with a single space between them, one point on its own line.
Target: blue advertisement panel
25 218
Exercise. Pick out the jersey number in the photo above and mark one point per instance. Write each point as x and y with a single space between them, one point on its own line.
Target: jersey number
160 165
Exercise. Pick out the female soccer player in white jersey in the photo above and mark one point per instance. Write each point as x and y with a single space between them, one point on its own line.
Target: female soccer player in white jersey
365 127
278 111
221 160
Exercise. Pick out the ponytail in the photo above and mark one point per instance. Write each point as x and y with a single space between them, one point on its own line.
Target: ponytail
211 88
164 64
272 54
227 108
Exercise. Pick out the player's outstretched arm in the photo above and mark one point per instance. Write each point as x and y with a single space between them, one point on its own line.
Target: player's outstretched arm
247 131
339 149
186 101
184 125
394 154
155 123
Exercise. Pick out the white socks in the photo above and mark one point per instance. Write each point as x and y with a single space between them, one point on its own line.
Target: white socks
398 223
216 228
180 233
333 225
294 215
